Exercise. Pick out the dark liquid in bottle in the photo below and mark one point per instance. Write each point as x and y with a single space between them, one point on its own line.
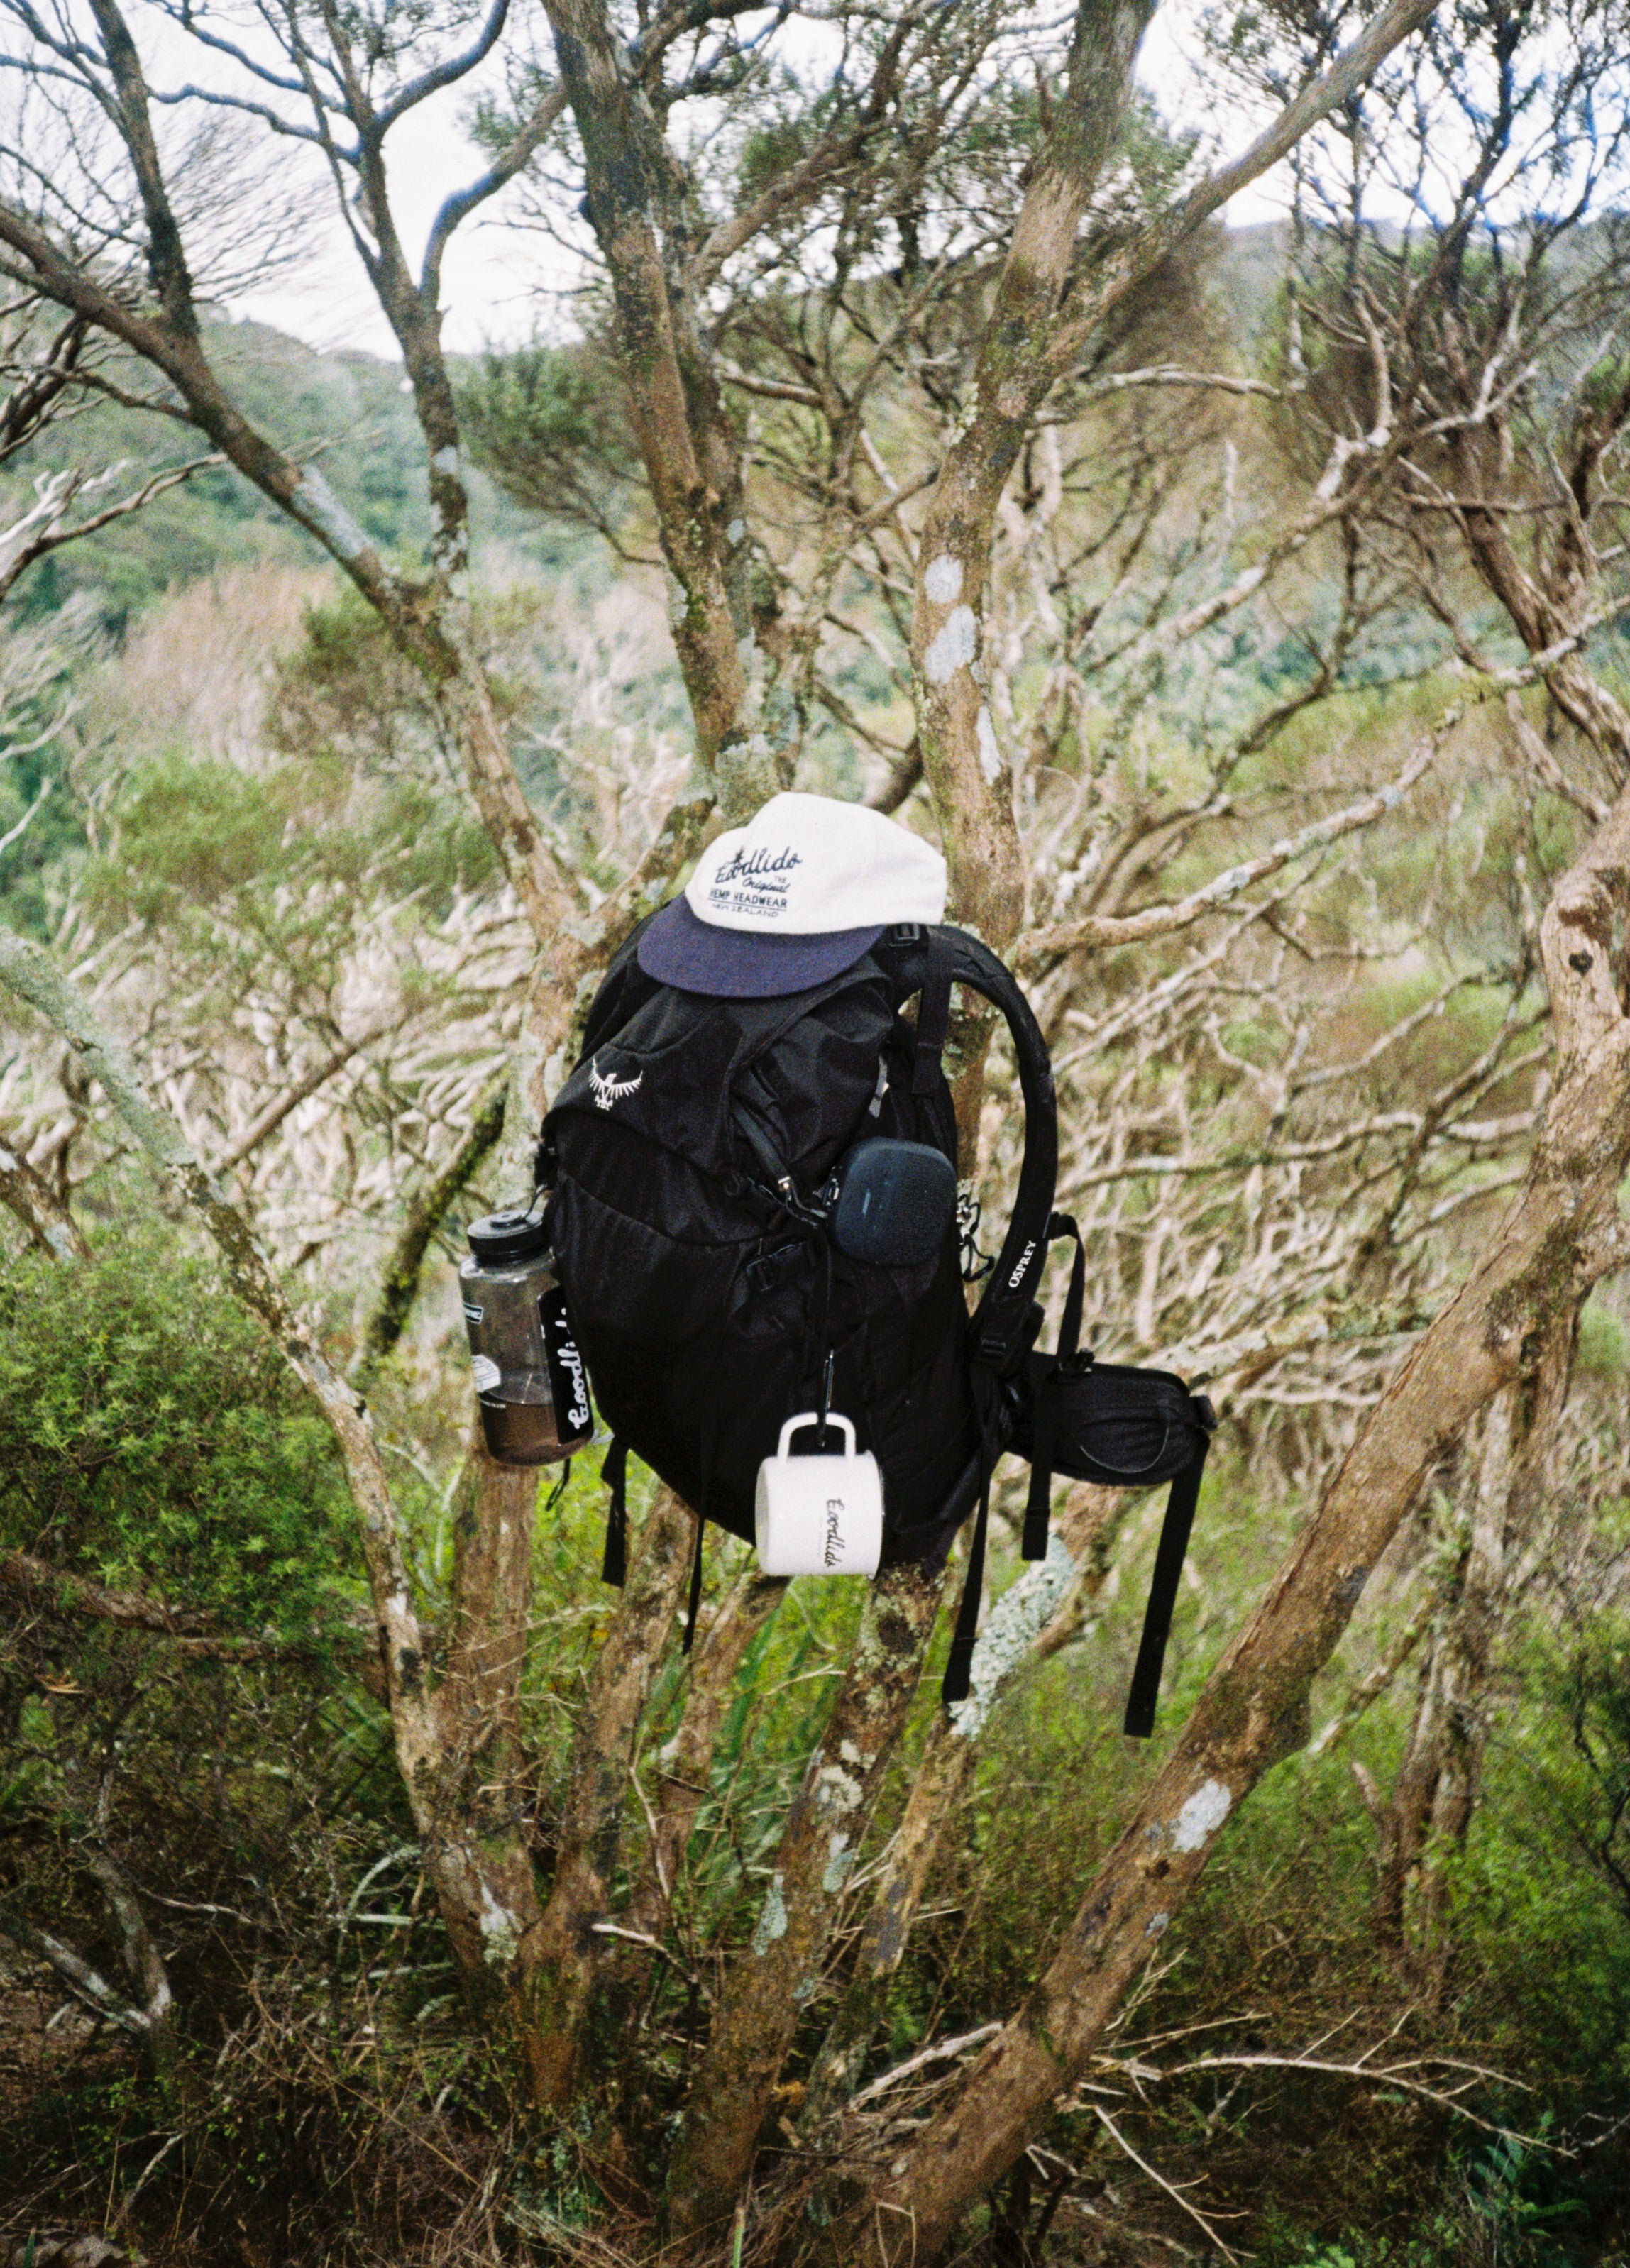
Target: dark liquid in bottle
520 1432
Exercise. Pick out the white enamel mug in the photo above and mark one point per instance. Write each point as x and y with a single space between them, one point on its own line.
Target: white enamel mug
819 1516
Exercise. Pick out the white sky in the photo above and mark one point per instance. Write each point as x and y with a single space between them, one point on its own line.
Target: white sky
492 271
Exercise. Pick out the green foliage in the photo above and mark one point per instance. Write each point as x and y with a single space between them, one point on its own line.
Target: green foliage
246 866
550 425
1501 2202
150 1436
1604 1349
215 520
772 149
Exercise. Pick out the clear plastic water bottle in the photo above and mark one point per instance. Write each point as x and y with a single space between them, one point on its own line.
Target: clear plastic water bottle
531 1385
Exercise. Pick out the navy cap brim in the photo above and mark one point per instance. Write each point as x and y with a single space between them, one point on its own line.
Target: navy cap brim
678 948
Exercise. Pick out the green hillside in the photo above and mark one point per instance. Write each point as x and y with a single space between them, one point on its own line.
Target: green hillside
345 408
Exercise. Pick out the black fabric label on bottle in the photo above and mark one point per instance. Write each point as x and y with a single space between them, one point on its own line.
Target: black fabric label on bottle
568 1380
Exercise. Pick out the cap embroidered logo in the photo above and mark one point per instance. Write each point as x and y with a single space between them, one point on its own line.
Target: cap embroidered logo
755 882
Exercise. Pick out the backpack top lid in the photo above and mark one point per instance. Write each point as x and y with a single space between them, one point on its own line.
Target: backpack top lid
791 900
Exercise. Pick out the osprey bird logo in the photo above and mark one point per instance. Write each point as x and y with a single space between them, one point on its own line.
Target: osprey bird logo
608 1090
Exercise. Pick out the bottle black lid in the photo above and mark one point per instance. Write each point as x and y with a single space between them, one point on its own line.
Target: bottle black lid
503 1237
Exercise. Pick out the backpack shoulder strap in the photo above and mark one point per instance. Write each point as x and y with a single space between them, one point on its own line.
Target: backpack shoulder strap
1003 1325
1001 1320
929 960
933 1012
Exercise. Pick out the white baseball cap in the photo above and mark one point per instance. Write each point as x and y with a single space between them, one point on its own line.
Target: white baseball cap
795 896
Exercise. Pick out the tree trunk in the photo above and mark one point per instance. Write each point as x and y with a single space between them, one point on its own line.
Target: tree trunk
569 1951
1436 1791
967 773
746 738
477 1850
1015 1634
685 1762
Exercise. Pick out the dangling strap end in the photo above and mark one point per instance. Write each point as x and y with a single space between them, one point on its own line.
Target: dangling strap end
1145 1677
958 1681
695 1607
614 1472
1038 1504
1037 1512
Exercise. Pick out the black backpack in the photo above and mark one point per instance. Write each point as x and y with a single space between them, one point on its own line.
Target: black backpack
689 1158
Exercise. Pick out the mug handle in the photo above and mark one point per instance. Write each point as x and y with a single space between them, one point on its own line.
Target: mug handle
813 1418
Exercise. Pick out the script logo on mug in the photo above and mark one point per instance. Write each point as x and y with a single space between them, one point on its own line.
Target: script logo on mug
833 1550
821 1515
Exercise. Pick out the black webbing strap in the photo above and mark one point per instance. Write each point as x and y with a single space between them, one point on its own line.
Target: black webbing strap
614 1472
933 1014
1173 1544
958 1667
957 1680
695 1607
946 956
1000 1329
1038 1504
710 1443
